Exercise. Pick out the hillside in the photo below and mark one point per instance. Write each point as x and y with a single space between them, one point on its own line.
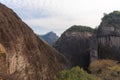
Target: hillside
26 57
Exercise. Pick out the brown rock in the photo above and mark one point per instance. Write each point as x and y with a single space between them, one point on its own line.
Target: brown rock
27 57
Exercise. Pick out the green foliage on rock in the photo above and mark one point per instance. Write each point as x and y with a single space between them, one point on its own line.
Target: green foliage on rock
78 28
112 18
75 73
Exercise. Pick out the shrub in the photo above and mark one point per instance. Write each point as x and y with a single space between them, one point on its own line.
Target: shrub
75 73
106 69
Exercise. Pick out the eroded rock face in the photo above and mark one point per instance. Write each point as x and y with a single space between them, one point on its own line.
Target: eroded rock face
3 64
74 43
93 48
27 57
109 36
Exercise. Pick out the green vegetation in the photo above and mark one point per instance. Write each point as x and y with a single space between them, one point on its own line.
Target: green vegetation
111 18
75 73
77 28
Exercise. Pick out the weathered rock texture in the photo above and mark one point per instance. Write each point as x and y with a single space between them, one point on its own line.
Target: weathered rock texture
3 64
93 48
26 56
108 37
74 44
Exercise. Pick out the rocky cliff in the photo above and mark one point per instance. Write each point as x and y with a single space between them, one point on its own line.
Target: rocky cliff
23 55
108 36
50 37
74 44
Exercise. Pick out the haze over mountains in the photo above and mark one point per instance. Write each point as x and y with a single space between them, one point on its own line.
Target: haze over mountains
50 37
24 56
57 15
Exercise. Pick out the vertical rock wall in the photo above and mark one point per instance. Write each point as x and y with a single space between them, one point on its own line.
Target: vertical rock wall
109 37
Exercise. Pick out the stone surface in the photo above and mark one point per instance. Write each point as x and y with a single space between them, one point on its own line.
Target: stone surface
27 56
3 66
93 48
74 43
109 37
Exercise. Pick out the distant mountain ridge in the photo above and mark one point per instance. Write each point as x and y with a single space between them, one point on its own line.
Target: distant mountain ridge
50 37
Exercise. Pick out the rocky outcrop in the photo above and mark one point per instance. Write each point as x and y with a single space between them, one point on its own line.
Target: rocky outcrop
105 44
25 56
50 37
109 36
74 44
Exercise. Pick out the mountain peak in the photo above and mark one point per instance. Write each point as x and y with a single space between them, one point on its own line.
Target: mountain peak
51 33
50 37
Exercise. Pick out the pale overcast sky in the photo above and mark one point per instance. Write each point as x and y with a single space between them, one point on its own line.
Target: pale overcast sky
58 15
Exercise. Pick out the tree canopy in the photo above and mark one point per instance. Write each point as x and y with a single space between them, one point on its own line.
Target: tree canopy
113 17
79 28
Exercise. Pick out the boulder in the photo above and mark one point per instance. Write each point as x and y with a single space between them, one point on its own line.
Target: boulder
74 44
